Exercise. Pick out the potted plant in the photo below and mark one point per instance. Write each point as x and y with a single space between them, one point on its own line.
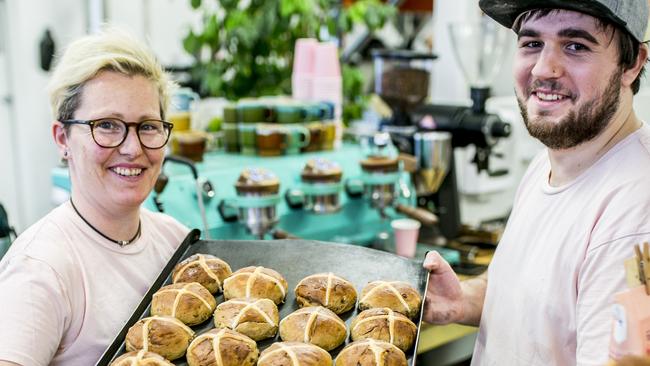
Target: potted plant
245 48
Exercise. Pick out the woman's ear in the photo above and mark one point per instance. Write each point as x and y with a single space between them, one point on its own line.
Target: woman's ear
60 138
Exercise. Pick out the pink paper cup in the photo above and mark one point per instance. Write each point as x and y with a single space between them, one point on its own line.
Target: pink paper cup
406 236
303 56
326 60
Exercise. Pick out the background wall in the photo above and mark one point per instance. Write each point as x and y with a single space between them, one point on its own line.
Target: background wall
27 152
8 179
448 82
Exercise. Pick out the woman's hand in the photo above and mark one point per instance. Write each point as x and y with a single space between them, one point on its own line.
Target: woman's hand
448 300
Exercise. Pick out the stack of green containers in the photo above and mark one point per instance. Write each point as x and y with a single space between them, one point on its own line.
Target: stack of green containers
271 128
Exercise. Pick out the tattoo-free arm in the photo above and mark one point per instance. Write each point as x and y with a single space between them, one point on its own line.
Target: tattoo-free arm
449 300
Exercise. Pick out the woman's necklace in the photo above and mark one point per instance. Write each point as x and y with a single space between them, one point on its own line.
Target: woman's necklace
121 243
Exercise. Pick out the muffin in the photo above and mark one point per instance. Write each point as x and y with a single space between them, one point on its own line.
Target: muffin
256 318
370 352
395 295
294 354
327 290
205 269
141 358
257 283
164 335
316 325
222 347
384 324
190 303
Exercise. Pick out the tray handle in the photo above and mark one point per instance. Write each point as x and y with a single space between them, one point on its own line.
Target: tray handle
424 298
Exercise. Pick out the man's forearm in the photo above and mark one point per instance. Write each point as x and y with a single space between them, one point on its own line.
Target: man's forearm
474 295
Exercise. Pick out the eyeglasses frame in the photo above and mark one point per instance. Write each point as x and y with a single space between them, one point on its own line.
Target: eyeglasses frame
91 123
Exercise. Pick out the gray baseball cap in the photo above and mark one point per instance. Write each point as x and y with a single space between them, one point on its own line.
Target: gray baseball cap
631 15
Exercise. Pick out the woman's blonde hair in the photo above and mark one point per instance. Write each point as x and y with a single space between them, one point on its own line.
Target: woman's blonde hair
110 50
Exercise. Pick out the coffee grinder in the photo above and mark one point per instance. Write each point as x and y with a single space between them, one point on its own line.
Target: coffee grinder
402 81
478 49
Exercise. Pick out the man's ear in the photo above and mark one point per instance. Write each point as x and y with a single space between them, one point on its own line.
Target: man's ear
60 138
631 74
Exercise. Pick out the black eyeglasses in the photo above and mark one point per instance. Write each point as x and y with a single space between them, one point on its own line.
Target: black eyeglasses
111 132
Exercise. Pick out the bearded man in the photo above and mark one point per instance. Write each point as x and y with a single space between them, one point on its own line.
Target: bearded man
583 203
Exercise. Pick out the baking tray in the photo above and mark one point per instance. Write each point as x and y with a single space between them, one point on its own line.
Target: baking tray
294 259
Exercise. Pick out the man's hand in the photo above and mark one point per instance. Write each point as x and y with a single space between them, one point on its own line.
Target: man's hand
448 300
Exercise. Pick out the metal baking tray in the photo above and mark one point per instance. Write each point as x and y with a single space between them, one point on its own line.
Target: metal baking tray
294 259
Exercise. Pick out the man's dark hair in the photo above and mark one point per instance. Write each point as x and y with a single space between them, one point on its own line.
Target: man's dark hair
628 46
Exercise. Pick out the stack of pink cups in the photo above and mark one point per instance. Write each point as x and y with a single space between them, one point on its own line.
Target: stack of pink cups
316 76
303 69
327 84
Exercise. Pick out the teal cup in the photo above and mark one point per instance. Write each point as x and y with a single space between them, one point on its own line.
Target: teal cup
248 113
327 110
294 113
230 113
255 113
320 111
247 133
297 137
230 137
329 135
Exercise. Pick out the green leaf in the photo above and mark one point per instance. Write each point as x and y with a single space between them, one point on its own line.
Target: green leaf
235 19
195 4
192 44
352 78
357 12
344 22
287 7
211 28
229 5
373 18
213 84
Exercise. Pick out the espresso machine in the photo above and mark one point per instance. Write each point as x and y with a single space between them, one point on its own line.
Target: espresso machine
419 128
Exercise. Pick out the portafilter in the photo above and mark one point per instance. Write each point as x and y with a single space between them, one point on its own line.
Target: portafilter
257 197
381 177
320 187
321 184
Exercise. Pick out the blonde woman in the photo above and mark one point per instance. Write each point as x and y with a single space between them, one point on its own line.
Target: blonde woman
71 280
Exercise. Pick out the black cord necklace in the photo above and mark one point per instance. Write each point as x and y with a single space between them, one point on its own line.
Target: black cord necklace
121 243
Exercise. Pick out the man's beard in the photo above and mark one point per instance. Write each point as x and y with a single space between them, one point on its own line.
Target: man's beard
578 126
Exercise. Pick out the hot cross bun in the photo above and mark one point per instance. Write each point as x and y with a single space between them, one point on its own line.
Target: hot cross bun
256 282
205 269
327 290
256 318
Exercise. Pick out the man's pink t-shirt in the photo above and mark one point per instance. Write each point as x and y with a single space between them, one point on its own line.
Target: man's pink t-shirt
560 261
65 292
